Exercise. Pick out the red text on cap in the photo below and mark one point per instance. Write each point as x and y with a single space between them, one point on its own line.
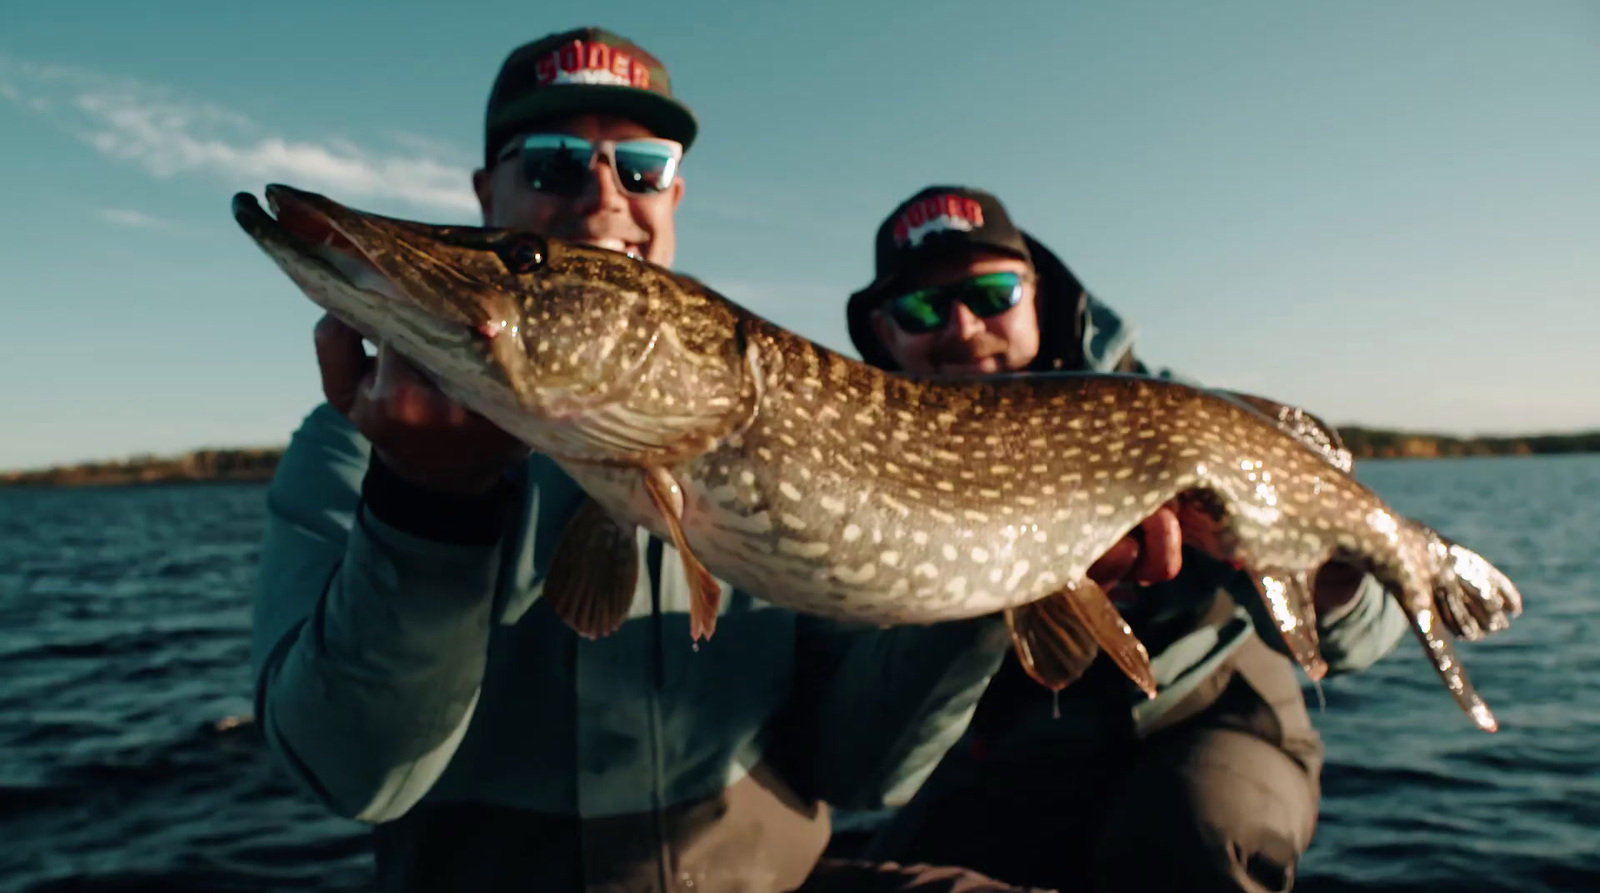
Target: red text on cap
935 213
577 62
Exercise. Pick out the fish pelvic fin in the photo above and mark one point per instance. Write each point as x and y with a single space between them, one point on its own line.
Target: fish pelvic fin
1057 637
594 572
705 593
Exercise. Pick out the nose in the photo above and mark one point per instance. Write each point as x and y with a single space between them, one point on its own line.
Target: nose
602 193
964 323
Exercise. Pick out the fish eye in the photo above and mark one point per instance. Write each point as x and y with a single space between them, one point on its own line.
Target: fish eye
523 253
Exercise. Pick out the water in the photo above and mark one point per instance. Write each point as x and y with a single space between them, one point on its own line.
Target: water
124 653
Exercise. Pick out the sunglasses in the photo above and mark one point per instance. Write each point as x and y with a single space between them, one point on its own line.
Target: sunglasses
559 163
929 309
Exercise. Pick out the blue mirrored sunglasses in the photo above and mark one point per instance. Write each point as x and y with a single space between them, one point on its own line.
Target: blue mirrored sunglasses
559 163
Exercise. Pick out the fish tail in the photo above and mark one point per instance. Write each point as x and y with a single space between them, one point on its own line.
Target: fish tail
1473 598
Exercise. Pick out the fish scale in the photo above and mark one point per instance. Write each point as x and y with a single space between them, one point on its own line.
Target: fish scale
821 484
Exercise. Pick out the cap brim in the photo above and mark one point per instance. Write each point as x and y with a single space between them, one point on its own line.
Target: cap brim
664 116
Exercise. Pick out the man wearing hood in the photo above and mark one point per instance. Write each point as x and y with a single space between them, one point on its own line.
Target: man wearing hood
1214 784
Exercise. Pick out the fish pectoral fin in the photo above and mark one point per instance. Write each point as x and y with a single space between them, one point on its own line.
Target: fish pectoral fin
1057 637
1288 598
705 593
594 572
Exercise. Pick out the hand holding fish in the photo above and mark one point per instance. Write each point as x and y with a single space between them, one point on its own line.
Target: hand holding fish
1152 553
419 433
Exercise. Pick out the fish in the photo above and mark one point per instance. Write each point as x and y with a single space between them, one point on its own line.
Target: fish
826 486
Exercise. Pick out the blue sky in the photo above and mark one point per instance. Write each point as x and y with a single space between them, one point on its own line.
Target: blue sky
1386 212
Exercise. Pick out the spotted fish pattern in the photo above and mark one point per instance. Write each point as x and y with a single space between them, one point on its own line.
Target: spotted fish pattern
826 486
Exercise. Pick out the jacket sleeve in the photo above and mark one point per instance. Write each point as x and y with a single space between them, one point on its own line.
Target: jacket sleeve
1352 637
1363 630
370 621
886 704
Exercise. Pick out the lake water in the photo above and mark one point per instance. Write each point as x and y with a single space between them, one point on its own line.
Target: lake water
124 654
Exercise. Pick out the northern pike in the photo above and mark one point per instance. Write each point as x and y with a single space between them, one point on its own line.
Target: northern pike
821 484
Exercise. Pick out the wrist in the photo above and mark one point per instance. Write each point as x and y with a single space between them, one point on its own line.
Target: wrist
462 513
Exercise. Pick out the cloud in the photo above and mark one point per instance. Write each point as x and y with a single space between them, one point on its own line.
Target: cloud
168 134
132 218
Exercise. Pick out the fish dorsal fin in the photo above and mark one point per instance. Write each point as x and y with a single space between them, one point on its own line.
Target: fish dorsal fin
1321 437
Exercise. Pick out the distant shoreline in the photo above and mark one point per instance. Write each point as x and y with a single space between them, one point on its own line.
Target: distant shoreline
256 464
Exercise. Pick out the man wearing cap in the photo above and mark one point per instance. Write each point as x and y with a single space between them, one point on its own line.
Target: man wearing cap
1214 784
408 675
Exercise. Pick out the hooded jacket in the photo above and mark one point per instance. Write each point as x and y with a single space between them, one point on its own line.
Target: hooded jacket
409 676
1194 623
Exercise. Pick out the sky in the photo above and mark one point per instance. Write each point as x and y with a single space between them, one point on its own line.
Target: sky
1388 213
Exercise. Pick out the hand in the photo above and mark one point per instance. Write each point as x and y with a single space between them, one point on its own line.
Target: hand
1150 553
1336 583
418 432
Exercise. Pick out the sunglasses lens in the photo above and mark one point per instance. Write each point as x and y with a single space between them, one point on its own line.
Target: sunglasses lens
929 309
645 167
920 311
560 164
992 294
556 163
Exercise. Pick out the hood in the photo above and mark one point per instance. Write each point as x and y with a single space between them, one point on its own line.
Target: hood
1076 331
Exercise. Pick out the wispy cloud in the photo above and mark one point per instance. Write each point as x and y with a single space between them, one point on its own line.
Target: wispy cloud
132 218
168 134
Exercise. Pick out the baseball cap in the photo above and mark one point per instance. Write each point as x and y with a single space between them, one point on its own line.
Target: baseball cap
586 69
935 220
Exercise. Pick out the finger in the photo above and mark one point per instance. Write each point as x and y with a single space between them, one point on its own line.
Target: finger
1115 563
342 362
1162 555
408 396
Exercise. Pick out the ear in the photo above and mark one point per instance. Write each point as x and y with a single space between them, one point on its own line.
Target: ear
677 191
483 185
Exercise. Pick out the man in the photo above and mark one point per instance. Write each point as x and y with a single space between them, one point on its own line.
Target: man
1214 785
409 676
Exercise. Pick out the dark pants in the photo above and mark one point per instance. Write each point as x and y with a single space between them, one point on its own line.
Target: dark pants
754 837
1224 798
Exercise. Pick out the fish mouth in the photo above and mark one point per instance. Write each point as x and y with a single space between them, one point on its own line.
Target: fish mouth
308 227
307 224
295 222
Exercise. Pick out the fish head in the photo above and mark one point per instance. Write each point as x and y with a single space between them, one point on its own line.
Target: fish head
546 337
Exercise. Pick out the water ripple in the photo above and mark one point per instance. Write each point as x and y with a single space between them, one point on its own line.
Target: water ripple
124 623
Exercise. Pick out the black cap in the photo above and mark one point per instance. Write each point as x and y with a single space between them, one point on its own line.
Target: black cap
583 70
936 220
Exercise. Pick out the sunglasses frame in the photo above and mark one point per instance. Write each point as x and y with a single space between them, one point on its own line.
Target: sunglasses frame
514 149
